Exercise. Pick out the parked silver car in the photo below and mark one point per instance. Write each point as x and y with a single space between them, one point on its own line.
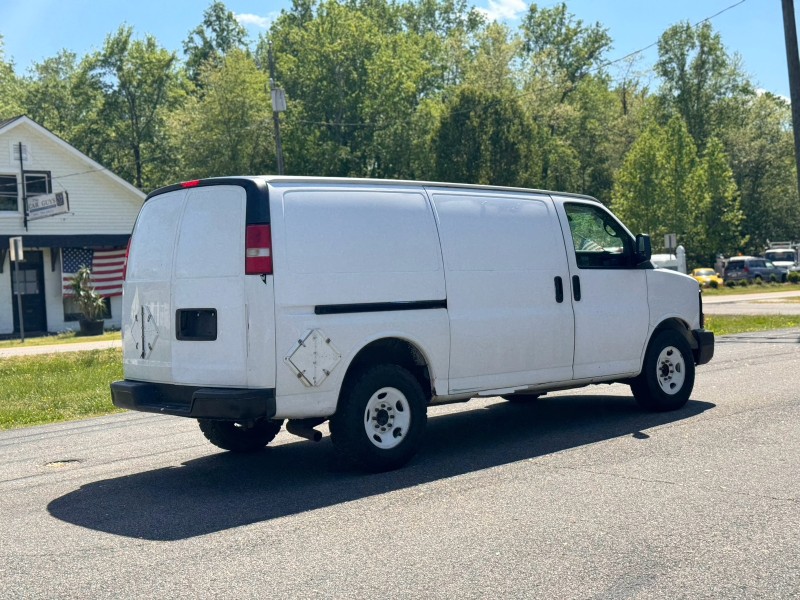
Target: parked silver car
753 269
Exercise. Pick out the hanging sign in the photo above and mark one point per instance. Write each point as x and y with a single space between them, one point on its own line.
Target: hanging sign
47 205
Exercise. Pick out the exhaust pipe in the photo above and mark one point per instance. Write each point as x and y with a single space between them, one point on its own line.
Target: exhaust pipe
304 428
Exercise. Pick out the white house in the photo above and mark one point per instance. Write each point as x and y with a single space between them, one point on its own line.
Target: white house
69 211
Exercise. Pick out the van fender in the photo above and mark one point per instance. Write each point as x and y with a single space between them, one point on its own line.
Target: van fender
674 322
359 356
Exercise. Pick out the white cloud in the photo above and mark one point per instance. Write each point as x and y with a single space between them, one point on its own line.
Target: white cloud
246 19
504 10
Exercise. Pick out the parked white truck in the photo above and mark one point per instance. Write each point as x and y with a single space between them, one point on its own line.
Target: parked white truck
783 254
249 301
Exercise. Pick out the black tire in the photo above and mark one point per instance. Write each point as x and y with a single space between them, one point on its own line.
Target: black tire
381 418
521 398
239 438
667 376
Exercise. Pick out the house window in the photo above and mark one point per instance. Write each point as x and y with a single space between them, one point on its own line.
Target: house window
28 283
37 183
15 152
8 192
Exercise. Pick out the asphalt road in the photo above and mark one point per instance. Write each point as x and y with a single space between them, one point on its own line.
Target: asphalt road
577 495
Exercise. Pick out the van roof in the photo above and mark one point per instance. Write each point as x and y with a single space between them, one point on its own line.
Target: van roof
270 179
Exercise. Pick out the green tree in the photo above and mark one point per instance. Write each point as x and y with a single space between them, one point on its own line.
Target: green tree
11 88
494 64
665 187
140 85
485 137
652 191
355 77
700 81
209 42
639 185
568 95
762 159
228 129
561 49
64 96
716 214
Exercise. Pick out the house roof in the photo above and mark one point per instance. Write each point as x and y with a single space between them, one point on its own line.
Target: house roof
10 124
4 122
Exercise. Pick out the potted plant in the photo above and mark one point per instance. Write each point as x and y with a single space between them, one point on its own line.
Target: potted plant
91 304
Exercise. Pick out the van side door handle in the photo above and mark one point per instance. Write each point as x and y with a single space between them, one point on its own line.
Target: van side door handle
559 290
576 288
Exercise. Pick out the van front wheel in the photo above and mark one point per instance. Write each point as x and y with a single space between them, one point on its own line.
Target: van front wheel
238 437
381 418
667 376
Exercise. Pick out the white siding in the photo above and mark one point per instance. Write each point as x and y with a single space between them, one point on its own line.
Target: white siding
99 204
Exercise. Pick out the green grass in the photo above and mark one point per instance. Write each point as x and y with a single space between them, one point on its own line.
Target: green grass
57 387
68 337
728 324
764 288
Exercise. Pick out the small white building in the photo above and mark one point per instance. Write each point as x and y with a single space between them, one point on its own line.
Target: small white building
69 211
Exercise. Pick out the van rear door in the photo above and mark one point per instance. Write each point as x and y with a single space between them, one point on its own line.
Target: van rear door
192 316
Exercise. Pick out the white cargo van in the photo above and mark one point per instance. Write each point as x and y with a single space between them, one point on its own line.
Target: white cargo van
250 301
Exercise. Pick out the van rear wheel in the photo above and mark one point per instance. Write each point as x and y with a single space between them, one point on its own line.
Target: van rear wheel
667 376
381 418
238 437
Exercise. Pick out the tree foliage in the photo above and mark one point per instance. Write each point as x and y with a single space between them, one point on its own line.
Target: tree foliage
11 88
228 129
484 137
429 89
215 37
140 84
700 81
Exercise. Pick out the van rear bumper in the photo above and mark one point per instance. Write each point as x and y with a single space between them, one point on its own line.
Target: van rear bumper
705 346
228 404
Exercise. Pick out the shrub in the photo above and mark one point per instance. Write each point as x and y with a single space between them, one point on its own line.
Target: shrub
794 276
744 283
91 304
730 283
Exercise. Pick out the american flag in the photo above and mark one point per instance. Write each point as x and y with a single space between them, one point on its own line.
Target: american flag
106 267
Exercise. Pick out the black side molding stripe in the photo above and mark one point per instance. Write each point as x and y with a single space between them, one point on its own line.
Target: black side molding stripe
339 309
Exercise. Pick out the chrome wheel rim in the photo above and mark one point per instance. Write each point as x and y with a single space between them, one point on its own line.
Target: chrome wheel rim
387 418
671 370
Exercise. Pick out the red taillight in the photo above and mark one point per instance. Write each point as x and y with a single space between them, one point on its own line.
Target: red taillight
125 265
190 184
747 269
258 250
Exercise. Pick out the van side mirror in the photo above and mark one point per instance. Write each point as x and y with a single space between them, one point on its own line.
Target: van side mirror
643 249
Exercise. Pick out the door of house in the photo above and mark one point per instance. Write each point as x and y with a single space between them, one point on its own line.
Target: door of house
31 284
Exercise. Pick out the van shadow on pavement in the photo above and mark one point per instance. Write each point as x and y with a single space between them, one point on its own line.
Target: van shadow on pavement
225 490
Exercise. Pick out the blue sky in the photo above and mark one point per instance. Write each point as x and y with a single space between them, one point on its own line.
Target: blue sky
36 29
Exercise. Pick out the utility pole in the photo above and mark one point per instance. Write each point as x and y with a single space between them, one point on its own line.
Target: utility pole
793 62
278 106
24 188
